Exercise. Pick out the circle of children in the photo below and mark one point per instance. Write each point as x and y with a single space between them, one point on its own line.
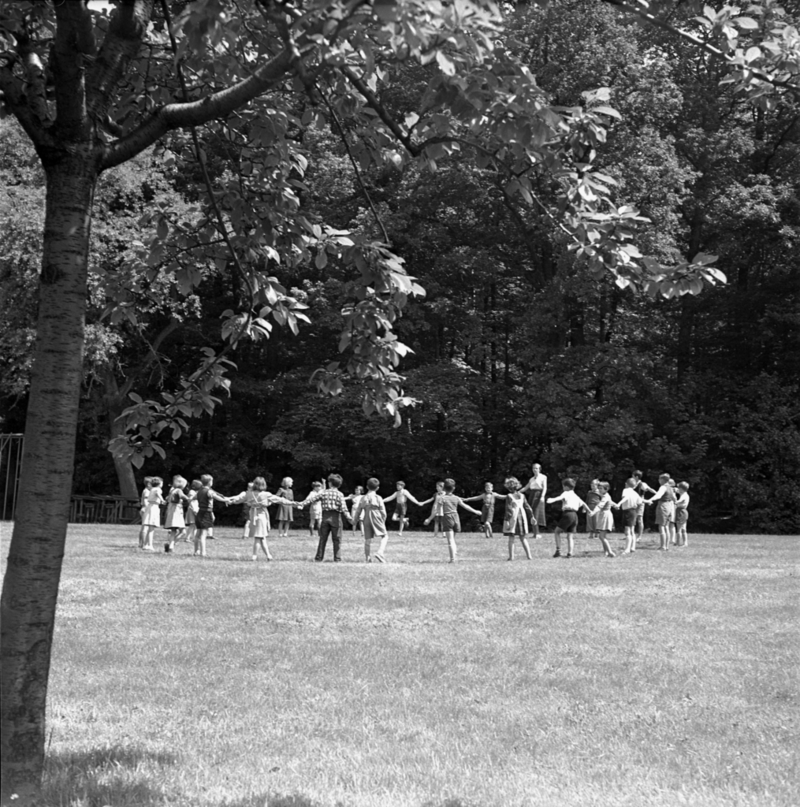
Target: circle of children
190 515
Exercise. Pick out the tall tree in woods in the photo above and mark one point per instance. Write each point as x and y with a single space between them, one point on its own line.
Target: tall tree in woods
92 91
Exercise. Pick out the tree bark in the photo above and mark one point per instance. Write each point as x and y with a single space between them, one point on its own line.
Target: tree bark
30 585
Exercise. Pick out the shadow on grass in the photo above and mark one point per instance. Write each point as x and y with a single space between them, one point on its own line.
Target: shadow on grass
109 775
118 775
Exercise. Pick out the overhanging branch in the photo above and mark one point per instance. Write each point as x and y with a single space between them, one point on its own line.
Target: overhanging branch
195 113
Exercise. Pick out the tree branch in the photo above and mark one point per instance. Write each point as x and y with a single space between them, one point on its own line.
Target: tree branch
13 98
194 113
378 107
122 42
699 43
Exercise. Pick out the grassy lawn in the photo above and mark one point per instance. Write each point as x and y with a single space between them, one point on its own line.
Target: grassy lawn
655 679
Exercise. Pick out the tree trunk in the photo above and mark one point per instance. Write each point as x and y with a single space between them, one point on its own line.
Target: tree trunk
114 401
30 585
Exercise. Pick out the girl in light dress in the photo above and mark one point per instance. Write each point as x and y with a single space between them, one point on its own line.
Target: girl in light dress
257 500
603 518
355 498
285 511
519 518
174 520
191 510
682 514
148 483
151 516
371 512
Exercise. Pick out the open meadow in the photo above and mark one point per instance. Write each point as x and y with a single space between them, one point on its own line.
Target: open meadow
653 679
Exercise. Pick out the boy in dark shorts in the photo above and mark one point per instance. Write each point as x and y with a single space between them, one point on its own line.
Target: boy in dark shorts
571 505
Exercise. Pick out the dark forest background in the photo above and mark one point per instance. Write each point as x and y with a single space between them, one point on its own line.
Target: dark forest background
519 354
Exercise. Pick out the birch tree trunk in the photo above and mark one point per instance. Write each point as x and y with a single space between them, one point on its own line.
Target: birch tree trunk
30 585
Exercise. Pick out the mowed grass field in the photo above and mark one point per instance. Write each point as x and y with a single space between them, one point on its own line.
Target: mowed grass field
653 679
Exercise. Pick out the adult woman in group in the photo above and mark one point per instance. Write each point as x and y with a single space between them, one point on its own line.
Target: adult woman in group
535 492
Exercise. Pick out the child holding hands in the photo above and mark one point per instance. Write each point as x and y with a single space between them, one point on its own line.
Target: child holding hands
603 519
571 504
519 515
488 498
151 514
174 520
449 504
629 504
682 514
371 512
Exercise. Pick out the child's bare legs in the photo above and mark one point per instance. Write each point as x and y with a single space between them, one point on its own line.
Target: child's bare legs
663 533
630 541
487 530
379 555
261 542
148 541
525 545
367 549
451 544
557 535
142 533
200 542
672 533
245 531
570 543
606 546
283 529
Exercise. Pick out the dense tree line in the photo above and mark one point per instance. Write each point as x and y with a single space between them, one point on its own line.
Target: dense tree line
519 351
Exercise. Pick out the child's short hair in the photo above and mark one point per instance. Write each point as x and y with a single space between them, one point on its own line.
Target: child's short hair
148 480
316 485
512 480
637 474
334 480
568 483
671 482
157 481
287 481
630 483
196 484
178 481
449 485
206 479
663 478
359 490
373 483
683 486
604 485
259 483
401 484
596 482
440 484
488 484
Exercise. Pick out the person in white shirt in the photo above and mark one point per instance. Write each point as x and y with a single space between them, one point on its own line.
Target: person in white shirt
571 503
629 504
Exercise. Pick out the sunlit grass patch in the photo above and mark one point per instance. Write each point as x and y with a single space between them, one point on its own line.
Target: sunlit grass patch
658 679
